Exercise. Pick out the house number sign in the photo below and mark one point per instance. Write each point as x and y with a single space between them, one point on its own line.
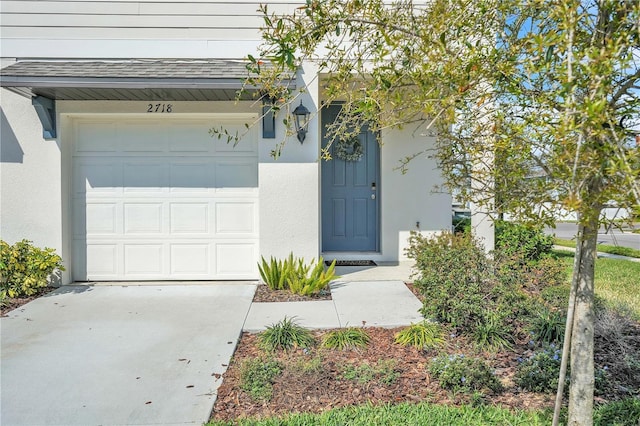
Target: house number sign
159 108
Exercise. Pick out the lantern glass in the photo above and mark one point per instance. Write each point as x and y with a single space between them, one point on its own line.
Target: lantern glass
301 121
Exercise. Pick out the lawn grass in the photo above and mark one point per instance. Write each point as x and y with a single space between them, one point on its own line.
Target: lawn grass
617 282
405 414
603 248
620 413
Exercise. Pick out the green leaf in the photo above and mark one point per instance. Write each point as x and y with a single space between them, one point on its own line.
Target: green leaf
549 55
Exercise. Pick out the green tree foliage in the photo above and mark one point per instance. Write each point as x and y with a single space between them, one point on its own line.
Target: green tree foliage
543 92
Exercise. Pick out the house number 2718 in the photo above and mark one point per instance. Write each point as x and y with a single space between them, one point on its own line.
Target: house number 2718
159 107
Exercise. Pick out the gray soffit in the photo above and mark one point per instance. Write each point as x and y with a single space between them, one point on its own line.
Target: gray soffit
168 80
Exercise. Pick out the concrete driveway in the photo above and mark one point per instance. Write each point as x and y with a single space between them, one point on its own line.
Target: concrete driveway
115 355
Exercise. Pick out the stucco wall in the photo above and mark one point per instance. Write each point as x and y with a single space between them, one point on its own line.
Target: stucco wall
409 202
289 186
30 204
289 209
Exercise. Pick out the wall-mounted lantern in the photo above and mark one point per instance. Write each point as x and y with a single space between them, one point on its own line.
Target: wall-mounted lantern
301 121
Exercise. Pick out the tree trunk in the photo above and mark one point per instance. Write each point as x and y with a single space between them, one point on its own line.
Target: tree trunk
582 362
568 329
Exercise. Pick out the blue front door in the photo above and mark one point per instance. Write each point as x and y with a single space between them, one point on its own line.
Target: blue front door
350 194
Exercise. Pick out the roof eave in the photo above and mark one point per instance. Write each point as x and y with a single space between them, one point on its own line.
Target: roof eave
127 83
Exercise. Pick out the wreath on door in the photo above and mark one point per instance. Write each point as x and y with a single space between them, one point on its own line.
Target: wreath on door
349 149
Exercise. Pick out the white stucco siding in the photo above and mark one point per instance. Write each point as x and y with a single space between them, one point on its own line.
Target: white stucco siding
289 210
30 177
133 29
290 185
409 199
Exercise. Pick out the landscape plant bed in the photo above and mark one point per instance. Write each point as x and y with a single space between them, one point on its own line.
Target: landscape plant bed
265 294
11 303
316 379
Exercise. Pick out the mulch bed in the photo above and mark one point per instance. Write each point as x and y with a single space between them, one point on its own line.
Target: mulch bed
324 388
12 303
415 291
302 390
264 294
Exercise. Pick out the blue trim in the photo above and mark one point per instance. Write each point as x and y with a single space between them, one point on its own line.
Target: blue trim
46 110
268 120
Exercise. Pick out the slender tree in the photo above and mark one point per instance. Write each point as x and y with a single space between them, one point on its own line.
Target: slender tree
546 91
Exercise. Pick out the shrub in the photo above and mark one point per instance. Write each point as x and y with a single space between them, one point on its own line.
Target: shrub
458 373
453 272
556 296
492 332
461 225
548 326
346 338
547 272
25 268
468 290
293 274
539 373
257 377
425 335
526 241
285 335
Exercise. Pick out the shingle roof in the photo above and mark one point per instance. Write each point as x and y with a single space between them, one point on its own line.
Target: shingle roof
139 79
187 69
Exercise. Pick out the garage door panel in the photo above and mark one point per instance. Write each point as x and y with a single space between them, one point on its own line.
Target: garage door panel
190 138
190 259
102 259
191 176
191 218
162 202
236 217
100 218
144 176
236 175
143 259
143 138
96 177
92 137
245 145
143 218
235 259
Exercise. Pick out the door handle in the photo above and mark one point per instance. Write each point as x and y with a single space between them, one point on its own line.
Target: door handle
373 196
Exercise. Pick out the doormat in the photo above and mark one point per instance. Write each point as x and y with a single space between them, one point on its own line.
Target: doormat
352 263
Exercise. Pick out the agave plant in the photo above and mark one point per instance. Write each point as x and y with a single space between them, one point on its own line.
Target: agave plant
275 273
295 275
304 283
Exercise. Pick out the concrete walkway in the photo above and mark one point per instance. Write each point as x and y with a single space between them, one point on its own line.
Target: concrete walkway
601 254
155 354
362 303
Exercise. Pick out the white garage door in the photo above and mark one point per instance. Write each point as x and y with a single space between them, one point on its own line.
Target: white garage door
163 200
